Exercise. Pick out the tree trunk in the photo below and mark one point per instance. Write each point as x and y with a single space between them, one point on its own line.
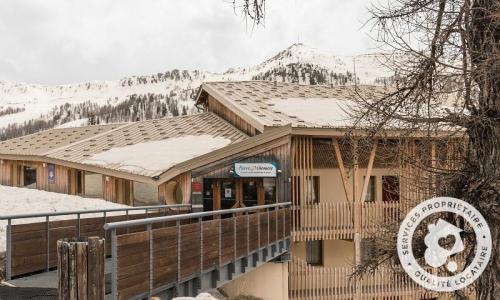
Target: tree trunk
483 188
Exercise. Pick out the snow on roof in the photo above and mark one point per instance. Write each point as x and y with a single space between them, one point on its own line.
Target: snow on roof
331 112
156 156
255 101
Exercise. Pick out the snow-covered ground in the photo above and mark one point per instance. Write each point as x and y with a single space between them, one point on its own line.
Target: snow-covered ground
75 123
202 296
26 201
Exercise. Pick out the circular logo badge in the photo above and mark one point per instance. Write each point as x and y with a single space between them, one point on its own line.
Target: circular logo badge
435 255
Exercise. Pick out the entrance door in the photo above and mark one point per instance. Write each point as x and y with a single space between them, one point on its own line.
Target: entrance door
29 177
209 187
251 189
227 193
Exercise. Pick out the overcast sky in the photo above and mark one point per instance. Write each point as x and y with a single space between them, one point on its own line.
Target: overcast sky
64 41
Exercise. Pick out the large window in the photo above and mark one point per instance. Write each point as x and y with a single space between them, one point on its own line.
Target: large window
390 188
93 185
145 194
371 193
314 253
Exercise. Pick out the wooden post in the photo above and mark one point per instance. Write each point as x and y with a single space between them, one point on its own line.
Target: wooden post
80 268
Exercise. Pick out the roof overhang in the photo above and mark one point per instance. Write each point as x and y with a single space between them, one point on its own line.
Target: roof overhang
387 133
79 166
269 135
230 105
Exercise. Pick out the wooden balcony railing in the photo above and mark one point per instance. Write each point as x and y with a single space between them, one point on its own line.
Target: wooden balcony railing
327 220
313 282
339 220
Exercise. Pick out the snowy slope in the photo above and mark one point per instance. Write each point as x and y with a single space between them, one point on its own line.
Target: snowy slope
368 67
297 63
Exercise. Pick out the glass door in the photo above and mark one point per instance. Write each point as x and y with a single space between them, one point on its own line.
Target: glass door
227 193
250 192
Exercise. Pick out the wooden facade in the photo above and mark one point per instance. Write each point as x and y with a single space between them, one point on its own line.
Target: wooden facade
277 152
6 172
415 162
72 181
213 105
11 174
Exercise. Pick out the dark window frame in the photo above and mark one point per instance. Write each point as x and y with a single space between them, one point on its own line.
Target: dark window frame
315 259
391 188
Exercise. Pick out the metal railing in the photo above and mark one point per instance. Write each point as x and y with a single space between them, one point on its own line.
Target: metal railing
78 213
199 217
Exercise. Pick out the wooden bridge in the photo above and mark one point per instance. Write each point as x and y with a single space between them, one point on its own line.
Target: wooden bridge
202 253
165 251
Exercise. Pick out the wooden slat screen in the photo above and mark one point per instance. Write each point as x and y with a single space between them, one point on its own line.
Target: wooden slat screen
307 282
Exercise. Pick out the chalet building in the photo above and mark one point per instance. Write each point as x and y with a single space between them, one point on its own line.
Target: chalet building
255 142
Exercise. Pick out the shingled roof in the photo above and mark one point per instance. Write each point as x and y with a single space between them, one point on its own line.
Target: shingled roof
45 141
81 145
267 103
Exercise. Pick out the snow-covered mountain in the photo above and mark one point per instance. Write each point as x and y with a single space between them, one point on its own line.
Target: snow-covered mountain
27 108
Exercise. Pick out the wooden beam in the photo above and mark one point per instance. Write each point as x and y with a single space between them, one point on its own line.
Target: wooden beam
343 173
369 170
355 175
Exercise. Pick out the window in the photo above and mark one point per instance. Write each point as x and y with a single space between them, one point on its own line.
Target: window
79 182
371 193
390 188
269 190
312 191
367 250
314 253
93 185
145 194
